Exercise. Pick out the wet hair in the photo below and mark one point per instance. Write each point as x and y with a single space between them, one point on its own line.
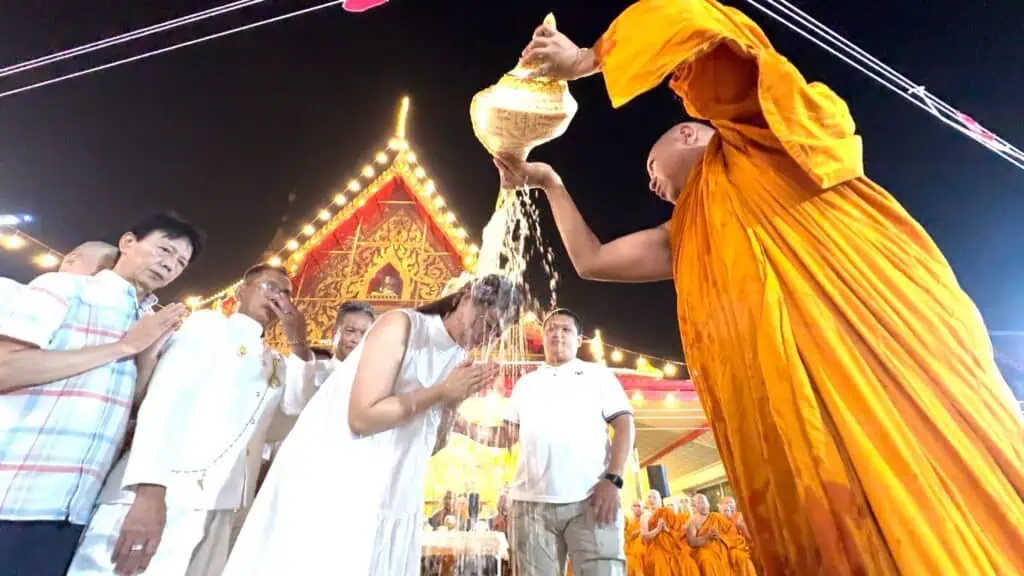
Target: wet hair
568 313
174 227
354 307
490 291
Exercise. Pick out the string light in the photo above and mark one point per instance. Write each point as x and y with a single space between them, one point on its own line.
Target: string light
367 185
15 240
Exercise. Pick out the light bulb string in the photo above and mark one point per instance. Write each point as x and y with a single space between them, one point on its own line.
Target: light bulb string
587 340
17 232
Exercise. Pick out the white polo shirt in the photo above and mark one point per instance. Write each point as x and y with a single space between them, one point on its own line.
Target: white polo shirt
563 414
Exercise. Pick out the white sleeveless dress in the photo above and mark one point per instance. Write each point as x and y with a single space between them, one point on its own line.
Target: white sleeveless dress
335 503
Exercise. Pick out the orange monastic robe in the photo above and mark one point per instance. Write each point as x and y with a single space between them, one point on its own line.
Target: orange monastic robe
849 381
634 549
739 551
662 554
713 557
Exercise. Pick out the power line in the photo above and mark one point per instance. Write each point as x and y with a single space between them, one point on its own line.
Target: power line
126 37
172 47
889 78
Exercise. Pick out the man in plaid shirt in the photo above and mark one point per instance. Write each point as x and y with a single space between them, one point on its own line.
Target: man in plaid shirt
69 346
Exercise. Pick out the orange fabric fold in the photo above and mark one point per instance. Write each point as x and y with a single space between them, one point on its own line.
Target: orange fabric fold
848 379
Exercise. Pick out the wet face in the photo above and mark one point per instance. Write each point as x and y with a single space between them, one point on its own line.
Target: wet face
561 339
154 261
255 294
349 333
482 325
673 156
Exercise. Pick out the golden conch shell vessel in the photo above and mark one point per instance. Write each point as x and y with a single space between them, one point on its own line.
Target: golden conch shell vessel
519 113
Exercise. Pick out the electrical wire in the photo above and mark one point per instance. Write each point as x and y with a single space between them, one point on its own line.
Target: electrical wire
171 47
889 78
126 37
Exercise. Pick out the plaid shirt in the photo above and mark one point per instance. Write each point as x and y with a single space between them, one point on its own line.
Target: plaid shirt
59 440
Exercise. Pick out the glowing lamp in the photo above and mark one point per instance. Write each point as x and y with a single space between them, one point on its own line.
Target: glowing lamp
368 171
293 245
193 301
669 369
47 260
616 355
12 242
308 230
274 261
340 199
353 185
324 215
381 158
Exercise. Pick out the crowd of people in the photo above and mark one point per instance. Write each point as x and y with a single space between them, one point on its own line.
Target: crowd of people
142 440
848 379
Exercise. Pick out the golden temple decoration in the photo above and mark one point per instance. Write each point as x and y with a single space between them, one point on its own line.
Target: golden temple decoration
397 160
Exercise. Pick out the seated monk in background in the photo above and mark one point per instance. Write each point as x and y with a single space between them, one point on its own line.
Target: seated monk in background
634 542
735 536
704 533
849 380
662 554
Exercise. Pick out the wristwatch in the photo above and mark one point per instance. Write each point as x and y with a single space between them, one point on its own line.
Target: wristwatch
614 479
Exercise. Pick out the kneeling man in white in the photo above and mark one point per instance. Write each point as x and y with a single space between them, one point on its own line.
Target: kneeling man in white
168 506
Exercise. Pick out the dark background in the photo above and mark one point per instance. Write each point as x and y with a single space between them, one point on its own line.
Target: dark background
225 130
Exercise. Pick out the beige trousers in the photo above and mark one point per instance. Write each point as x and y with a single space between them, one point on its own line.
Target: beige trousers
544 535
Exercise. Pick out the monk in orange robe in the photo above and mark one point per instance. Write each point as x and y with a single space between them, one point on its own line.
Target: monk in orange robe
662 555
849 380
634 543
704 533
734 535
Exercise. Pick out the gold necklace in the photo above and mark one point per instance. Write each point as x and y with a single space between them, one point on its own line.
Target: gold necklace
272 383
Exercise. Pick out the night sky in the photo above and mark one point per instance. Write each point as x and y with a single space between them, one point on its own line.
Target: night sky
224 131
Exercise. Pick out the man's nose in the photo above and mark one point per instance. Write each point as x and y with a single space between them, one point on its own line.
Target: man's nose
652 185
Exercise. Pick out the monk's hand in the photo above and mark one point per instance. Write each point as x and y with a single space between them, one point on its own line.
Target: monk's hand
605 502
550 54
141 531
516 174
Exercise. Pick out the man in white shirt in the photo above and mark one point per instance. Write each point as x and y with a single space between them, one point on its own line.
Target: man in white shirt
170 505
568 475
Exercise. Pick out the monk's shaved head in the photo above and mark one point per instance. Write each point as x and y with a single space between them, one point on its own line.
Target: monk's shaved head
89 258
674 155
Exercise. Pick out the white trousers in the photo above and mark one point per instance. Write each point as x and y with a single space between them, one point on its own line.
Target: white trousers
194 543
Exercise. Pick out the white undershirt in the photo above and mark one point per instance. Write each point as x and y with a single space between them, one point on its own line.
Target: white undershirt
563 414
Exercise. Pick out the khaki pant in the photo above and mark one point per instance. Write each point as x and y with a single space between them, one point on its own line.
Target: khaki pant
543 535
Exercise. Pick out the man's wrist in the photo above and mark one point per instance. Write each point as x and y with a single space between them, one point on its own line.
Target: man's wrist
613 479
150 491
